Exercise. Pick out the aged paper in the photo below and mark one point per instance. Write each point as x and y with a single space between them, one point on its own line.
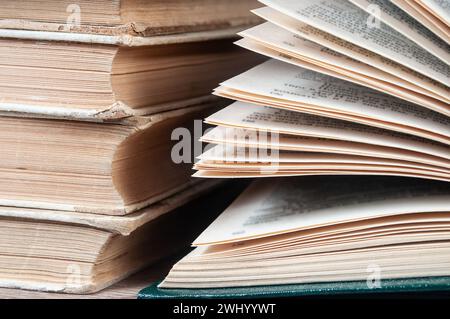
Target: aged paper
282 85
248 138
246 115
424 20
356 52
348 22
324 60
406 25
271 207
228 157
440 8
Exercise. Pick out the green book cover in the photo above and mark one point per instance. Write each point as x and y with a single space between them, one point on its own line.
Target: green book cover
416 285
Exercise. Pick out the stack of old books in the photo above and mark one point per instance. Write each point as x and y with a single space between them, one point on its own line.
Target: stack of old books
90 93
354 87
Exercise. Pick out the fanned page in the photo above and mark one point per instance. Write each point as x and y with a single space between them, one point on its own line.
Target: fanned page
382 152
440 8
267 208
406 25
353 51
346 21
256 117
250 139
281 85
427 20
429 15
230 159
288 47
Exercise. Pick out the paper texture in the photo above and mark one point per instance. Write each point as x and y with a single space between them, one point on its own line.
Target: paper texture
346 21
304 90
270 207
123 225
293 49
358 53
246 115
406 25
441 8
426 19
250 138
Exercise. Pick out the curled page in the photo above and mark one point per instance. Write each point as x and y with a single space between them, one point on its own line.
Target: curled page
286 205
318 58
439 8
348 22
281 85
228 156
353 51
406 25
246 115
427 20
248 138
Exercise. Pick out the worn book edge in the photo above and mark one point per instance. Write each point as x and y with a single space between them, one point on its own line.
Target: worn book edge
123 39
117 111
123 225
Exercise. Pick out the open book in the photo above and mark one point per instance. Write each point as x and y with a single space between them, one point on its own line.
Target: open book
323 229
351 87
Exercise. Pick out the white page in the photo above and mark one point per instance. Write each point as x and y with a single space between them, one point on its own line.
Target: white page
346 75
323 112
358 53
440 8
409 27
271 207
262 118
285 104
250 138
276 38
347 21
407 8
296 86
429 16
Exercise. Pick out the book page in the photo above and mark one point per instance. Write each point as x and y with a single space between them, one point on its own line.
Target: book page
233 161
246 115
428 15
411 11
288 57
338 171
270 207
347 21
408 222
287 43
440 8
406 25
247 138
300 89
361 54
229 156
